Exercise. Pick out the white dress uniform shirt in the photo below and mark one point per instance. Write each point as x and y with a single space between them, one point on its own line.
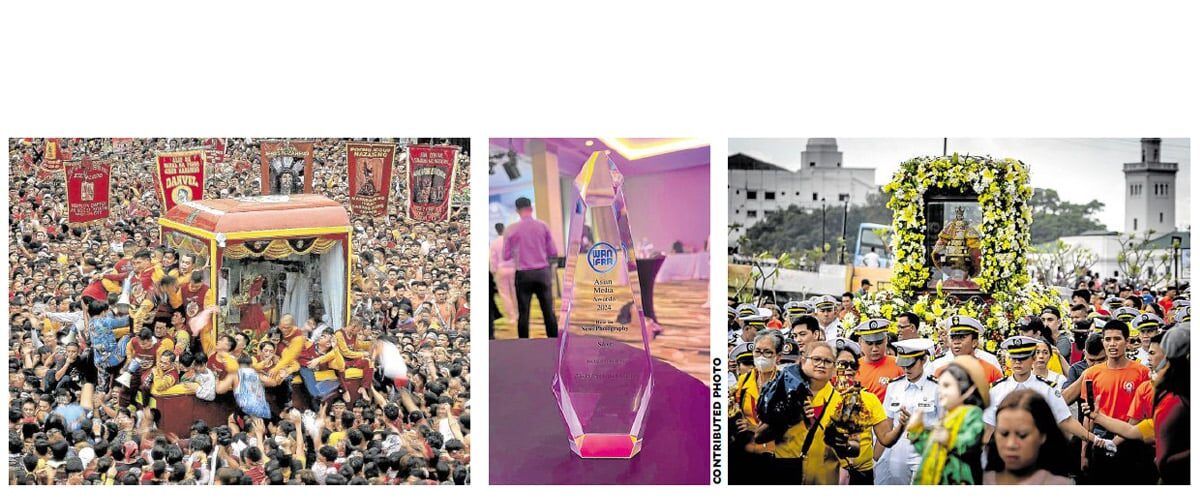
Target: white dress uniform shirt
833 330
946 359
898 463
1053 396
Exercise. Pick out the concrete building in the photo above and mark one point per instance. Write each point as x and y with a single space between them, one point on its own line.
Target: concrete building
1150 191
758 188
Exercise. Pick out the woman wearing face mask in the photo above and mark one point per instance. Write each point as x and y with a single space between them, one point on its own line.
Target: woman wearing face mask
1028 447
753 457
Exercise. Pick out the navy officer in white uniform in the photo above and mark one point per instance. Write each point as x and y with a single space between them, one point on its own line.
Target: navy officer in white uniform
1020 355
827 315
913 393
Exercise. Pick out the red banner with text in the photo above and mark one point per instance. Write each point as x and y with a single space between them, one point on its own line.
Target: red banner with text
179 177
431 181
87 191
216 150
370 174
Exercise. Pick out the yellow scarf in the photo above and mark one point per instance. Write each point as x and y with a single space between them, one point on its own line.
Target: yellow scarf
936 454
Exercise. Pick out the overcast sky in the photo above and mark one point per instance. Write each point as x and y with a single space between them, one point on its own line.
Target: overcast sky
1079 169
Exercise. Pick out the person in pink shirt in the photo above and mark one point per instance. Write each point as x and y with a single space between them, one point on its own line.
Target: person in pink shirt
530 246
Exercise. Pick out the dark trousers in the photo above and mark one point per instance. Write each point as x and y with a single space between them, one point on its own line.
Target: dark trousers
862 477
535 283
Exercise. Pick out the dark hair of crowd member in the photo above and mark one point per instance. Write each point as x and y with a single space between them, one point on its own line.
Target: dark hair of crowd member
15 442
58 449
159 468
1052 455
201 443
197 277
964 384
103 464
145 334
230 340
808 321
129 479
1175 380
1094 345
1117 325
178 472
96 308
328 453
142 254
912 318
1137 302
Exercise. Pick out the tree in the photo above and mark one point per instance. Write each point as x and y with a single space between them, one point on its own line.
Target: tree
797 230
1054 218
1141 264
1059 262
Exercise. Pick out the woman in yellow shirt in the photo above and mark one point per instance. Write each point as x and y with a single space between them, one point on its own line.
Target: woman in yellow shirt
864 416
818 465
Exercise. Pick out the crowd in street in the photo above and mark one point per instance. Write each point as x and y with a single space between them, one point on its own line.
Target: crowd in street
383 400
1097 395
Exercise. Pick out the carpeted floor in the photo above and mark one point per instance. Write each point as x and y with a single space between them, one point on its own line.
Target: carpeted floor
684 341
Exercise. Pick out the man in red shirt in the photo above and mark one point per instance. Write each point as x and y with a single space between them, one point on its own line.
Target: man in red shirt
1115 385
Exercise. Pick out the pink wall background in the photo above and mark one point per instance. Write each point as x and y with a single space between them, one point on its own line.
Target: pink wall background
670 205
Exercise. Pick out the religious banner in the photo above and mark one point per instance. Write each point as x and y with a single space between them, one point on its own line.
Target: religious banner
216 150
180 177
121 144
52 158
369 167
431 181
287 167
87 191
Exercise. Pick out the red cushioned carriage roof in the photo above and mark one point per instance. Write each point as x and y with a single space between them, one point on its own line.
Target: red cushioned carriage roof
260 213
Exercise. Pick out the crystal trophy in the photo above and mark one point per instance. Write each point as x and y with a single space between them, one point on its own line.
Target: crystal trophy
603 378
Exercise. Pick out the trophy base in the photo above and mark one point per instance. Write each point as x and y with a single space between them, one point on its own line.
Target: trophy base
610 446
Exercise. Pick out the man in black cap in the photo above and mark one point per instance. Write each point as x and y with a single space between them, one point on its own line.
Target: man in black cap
529 244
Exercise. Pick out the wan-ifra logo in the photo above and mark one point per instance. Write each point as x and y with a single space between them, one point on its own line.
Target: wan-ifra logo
602 257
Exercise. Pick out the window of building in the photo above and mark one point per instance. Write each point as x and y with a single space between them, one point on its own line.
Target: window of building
754 214
769 195
751 194
1160 218
797 193
812 163
768 213
1135 223
737 191
844 197
814 196
1166 189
